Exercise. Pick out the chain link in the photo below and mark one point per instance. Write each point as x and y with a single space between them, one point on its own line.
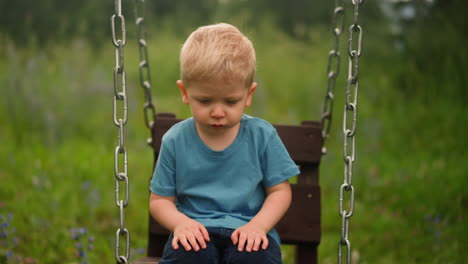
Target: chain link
334 58
120 104
349 132
144 66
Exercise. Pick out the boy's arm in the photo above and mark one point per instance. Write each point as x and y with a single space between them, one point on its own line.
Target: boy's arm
254 233
190 233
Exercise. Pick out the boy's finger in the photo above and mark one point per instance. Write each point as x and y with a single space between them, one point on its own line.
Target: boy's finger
200 240
235 237
175 244
264 242
193 241
256 244
242 239
205 234
250 242
185 244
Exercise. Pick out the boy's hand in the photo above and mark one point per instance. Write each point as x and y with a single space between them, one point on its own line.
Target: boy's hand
249 237
191 234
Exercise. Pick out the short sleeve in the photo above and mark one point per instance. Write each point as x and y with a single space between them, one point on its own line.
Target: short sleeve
163 182
277 165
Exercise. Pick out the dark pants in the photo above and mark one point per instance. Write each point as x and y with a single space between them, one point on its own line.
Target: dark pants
221 250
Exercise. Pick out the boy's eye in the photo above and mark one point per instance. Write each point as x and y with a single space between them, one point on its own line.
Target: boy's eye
204 101
232 102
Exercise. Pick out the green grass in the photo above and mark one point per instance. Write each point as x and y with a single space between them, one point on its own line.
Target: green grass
56 159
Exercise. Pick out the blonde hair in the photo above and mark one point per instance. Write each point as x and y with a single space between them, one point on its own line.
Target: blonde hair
217 52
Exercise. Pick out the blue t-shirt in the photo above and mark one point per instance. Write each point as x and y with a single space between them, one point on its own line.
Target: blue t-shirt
222 188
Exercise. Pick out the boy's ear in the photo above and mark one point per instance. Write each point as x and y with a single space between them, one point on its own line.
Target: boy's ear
252 89
183 92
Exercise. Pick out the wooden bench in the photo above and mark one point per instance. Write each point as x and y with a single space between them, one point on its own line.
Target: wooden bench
301 224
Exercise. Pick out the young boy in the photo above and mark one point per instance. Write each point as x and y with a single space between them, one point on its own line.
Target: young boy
221 179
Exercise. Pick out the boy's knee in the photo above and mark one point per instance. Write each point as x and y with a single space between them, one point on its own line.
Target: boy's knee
272 255
182 256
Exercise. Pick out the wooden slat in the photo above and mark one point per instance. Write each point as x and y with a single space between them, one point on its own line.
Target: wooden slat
306 253
163 122
301 224
309 173
304 143
157 238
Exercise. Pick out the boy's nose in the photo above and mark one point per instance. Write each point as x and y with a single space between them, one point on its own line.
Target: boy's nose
218 112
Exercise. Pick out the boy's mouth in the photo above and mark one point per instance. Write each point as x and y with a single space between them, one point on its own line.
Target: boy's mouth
217 126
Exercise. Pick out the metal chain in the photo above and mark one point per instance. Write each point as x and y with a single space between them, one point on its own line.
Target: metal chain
144 66
120 121
334 57
349 131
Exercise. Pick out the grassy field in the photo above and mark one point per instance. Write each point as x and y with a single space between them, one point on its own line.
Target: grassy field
56 159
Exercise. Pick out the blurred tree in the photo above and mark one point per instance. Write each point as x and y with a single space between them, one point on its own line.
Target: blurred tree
182 13
297 17
48 20
433 48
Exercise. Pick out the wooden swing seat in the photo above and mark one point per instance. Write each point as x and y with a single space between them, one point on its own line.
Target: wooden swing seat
301 224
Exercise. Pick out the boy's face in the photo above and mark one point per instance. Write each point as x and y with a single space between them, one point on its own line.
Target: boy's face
217 107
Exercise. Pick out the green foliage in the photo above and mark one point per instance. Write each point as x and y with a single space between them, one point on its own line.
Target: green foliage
433 50
46 21
50 20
